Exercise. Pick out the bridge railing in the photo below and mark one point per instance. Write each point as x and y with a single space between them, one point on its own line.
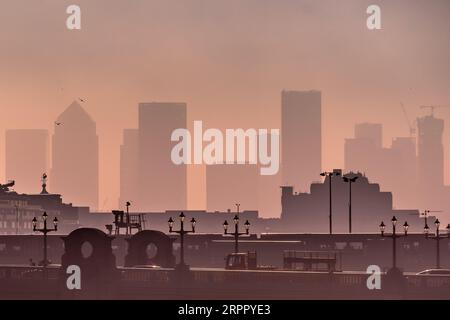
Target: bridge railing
28 272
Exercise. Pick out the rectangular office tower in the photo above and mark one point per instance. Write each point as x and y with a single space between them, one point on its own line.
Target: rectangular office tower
26 158
364 152
162 184
430 158
301 138
129 167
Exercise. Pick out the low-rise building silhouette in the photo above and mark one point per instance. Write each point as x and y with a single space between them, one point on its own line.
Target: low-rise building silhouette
308 212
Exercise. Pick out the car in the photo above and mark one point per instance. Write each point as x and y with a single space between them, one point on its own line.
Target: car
439 272
147 266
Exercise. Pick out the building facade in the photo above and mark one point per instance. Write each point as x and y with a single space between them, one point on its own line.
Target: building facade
75 157
162 184
129 166
301 137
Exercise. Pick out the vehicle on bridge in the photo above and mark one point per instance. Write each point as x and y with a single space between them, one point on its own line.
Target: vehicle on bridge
440 272
244 261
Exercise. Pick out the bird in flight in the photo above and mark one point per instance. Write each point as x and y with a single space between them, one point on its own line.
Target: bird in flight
82 100
57 123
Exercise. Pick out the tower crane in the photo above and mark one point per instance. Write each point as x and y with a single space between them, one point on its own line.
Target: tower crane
412 130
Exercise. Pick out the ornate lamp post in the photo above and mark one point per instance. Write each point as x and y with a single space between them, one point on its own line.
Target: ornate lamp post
350 181
394 237
236 232
128 204
330 175
44 231
438 238
181 265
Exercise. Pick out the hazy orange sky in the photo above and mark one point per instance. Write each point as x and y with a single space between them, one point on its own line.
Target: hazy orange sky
228 60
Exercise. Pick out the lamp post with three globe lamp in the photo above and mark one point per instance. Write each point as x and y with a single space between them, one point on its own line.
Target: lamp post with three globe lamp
438 237
236 232
182 265
44 230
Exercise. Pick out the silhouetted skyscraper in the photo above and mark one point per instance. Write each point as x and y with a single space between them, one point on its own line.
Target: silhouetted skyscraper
393 168
403 173
228 184
301 138
269 191
129 167
430 151
75 157
371 131
26 158
363 152
162 184
430 160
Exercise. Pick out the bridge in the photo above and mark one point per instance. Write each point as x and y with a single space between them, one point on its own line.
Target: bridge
24 282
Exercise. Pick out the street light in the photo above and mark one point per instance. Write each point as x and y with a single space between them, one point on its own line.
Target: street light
181 265
394 237
425 214
44 231
236 232
128 204
350 181
438 238
329 175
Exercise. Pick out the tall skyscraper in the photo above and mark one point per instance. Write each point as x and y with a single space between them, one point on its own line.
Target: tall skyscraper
370 131
228 184
75 157
26 158
162 184
129 167
431 150
403 173
394 168
364 152
430 156
301 138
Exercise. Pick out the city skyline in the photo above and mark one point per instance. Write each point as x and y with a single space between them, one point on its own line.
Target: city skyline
221 54
225 158
401 156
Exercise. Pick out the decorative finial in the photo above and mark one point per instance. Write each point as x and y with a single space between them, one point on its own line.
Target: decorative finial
44 184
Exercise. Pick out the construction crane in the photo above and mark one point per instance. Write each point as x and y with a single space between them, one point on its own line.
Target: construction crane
432 108
412 130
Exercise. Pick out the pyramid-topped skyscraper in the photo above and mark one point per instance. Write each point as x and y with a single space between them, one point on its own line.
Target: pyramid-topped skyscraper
74 172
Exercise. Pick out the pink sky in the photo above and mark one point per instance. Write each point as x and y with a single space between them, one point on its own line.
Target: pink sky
228 60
